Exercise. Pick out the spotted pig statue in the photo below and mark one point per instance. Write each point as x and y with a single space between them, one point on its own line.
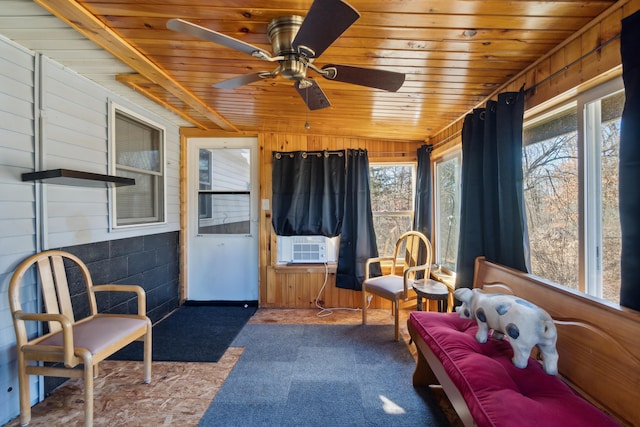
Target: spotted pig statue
523 323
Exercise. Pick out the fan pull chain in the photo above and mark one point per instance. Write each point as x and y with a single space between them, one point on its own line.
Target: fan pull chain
306 122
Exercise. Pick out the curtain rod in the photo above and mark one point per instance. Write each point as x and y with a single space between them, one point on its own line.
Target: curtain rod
341 152
546 79
572 63
447 139
392 153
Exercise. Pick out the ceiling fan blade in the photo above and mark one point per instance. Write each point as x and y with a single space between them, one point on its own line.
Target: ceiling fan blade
324 23
195 30
245 79
312 94
379 79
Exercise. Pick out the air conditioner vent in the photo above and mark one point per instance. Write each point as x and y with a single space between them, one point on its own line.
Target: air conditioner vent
306 249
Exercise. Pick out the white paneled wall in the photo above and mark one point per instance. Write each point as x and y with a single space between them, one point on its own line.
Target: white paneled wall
51 117
17 201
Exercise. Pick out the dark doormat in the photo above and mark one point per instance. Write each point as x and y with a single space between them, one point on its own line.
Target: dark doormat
193 333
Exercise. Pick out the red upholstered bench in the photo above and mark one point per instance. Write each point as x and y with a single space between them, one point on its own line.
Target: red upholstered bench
495 391
598 348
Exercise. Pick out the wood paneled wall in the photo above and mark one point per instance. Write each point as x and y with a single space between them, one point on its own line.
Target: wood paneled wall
587 58
299 286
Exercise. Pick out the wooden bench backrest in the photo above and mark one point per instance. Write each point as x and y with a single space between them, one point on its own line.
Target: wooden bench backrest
598 342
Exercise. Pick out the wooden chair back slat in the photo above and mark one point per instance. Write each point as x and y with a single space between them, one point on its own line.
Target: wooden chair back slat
416 252
49 294
62 287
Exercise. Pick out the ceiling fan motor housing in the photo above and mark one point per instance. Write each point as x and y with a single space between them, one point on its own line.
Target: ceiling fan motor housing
281 32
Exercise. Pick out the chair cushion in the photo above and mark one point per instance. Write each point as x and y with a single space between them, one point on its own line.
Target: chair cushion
389 287
99 333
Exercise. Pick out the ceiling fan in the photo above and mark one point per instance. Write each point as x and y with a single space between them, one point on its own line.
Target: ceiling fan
296 43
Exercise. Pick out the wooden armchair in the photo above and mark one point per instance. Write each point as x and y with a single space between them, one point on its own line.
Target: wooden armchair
412 253
85 342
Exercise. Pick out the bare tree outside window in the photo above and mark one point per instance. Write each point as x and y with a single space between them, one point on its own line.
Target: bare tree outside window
447 194
611 113
552 162
392 201
551 195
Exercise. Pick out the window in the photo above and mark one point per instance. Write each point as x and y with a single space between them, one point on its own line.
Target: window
571 192
138 153
224 192
392 201
447 209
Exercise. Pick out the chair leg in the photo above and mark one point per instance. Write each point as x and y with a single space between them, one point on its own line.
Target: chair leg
147 356
25 396
397 319
88 391
364 305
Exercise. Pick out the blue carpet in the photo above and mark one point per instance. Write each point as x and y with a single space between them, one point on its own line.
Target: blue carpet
193 333
321 375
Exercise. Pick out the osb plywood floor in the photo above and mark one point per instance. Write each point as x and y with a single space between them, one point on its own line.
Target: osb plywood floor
179 393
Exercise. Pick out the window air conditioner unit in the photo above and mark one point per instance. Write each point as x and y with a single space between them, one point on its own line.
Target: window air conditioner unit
307 249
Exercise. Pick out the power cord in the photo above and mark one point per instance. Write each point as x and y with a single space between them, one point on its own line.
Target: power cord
324 312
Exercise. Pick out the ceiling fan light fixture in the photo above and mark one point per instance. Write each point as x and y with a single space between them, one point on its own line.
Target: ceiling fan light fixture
293 69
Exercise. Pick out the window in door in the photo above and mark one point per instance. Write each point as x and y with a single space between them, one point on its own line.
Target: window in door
224 191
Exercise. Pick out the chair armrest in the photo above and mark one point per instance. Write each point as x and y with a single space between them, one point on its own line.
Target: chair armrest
142 298
67 330
373 261
416 268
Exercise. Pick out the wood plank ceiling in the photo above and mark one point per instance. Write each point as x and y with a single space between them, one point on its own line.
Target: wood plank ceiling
454 53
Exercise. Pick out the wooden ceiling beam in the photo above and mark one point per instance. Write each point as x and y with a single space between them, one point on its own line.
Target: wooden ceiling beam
141 84
76 16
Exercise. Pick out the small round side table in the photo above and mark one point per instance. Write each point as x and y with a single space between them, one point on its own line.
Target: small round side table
431 290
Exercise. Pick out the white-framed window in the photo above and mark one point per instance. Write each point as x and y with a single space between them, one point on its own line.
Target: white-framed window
137 151
392 190
571 191
447 189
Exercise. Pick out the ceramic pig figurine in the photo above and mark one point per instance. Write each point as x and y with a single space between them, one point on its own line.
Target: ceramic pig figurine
523 323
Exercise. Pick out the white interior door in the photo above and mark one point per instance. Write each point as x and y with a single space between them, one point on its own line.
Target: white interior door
222 205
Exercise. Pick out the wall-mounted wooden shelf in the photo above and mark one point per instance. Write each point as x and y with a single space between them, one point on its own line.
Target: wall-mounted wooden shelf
77 178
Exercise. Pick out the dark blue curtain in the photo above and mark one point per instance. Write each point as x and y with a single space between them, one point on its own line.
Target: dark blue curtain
492 215
629 195
308 192
358 238
423 206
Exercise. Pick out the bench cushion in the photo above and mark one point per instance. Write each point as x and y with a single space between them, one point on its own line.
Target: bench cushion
496 392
